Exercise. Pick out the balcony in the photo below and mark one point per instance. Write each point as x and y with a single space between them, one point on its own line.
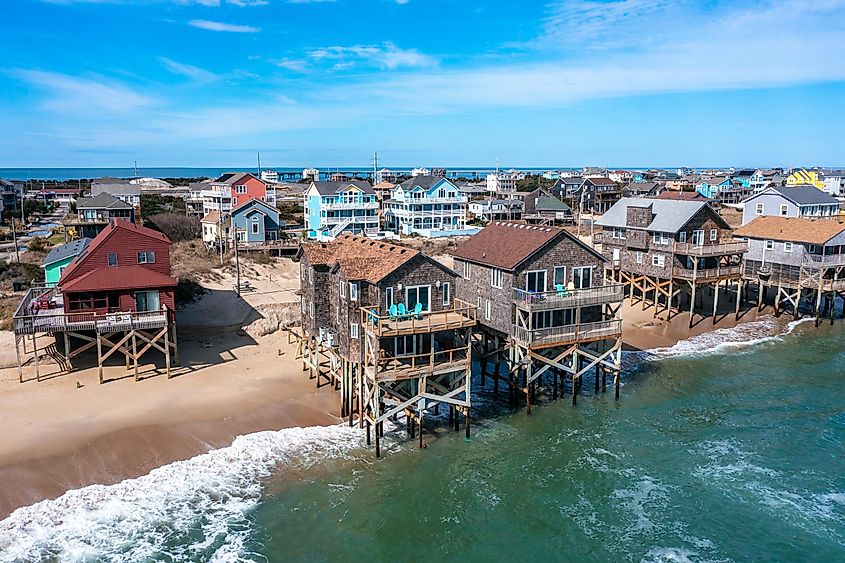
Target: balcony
350 205
569 334
432 200
710 274
826 261
568 299
380 323
718 249
354 219
397 368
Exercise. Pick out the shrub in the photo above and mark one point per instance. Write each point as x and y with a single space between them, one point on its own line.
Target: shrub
38 244
177 227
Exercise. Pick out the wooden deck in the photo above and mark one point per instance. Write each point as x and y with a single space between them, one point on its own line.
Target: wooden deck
569 334
462 315
599 295
414 366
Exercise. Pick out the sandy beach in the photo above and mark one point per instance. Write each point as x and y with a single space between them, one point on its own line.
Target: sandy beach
68 431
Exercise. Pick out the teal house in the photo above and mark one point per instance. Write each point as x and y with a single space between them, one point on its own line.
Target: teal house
256 222
713 188
59 257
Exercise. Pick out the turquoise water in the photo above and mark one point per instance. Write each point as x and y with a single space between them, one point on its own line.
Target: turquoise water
727 447
729 456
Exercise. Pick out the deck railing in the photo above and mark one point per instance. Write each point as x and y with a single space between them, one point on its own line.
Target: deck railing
720 272
828 260
414 365
569 333
57 320
377 321
718 249
566 299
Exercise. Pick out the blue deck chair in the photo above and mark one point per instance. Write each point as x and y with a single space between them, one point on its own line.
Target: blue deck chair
403 313
393 311
418 311
374 315
561 291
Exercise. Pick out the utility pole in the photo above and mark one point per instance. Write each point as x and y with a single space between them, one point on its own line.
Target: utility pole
237 264
259 165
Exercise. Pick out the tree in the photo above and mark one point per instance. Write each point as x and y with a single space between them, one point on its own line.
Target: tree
152 204
177 227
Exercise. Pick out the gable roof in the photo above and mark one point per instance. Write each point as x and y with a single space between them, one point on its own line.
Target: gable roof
111 230
682 196
600 181
668 216
211 217
255 202
65 251
360 258
424 182
102 200
792 229
331 188
506 245
545 202
800 195
116 189
233 178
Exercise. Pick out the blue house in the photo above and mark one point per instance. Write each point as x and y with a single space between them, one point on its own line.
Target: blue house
256 222
712 188
332 208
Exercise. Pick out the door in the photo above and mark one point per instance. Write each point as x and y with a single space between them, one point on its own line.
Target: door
147 301
698 238
535 281
418 294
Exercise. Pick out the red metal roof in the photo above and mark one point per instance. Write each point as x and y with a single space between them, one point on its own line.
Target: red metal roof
117 278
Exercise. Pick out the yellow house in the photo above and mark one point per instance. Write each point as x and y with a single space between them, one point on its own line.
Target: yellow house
804 177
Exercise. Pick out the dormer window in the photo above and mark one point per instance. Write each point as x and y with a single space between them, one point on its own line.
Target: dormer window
112 258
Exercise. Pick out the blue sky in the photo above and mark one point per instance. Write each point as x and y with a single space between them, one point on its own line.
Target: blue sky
423 82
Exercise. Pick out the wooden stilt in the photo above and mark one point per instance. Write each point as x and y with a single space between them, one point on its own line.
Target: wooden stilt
99 356
35 355
616 382
135 354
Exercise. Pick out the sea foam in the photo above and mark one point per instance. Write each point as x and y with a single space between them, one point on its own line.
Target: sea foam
196 509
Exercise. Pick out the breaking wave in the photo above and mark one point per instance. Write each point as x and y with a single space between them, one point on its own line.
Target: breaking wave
195 509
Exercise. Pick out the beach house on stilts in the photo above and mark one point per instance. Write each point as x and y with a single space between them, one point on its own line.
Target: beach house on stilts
662 249
544 308
801 258
115 296
381 323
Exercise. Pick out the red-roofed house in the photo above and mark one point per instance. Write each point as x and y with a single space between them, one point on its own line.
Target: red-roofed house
126 268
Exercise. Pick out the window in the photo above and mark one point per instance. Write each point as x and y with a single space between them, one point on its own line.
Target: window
784 210
147 300
714 235
312 310
497 277
353 291
812 249
311 275
488 309
560 275
698 238
234 201
759 209
770 245
112 258
240 189
303 306
466 270
342 290
682 236
418 294
582 277
658 260
660 238
787 247
388 297
447 293
353 330
639 257
147 257
255 227
535 281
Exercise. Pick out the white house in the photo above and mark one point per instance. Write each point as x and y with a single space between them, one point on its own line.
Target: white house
428 206
797 201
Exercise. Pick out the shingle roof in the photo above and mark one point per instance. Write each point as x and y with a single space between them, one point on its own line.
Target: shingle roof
211 217
504 244
116 189
331 188
805 195
601 181
793 229
112 278
424 182
668 216
65 251
681 196
359 258
102 201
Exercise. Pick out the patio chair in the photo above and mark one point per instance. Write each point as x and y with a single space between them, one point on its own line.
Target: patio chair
403 313
418 311
374 315
393 311
561 291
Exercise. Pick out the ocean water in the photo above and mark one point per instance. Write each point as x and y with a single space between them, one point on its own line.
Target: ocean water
726 447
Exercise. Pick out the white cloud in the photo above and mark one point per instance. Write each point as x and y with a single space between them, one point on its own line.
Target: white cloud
190 71
386 55
221 26
296 65
84 96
